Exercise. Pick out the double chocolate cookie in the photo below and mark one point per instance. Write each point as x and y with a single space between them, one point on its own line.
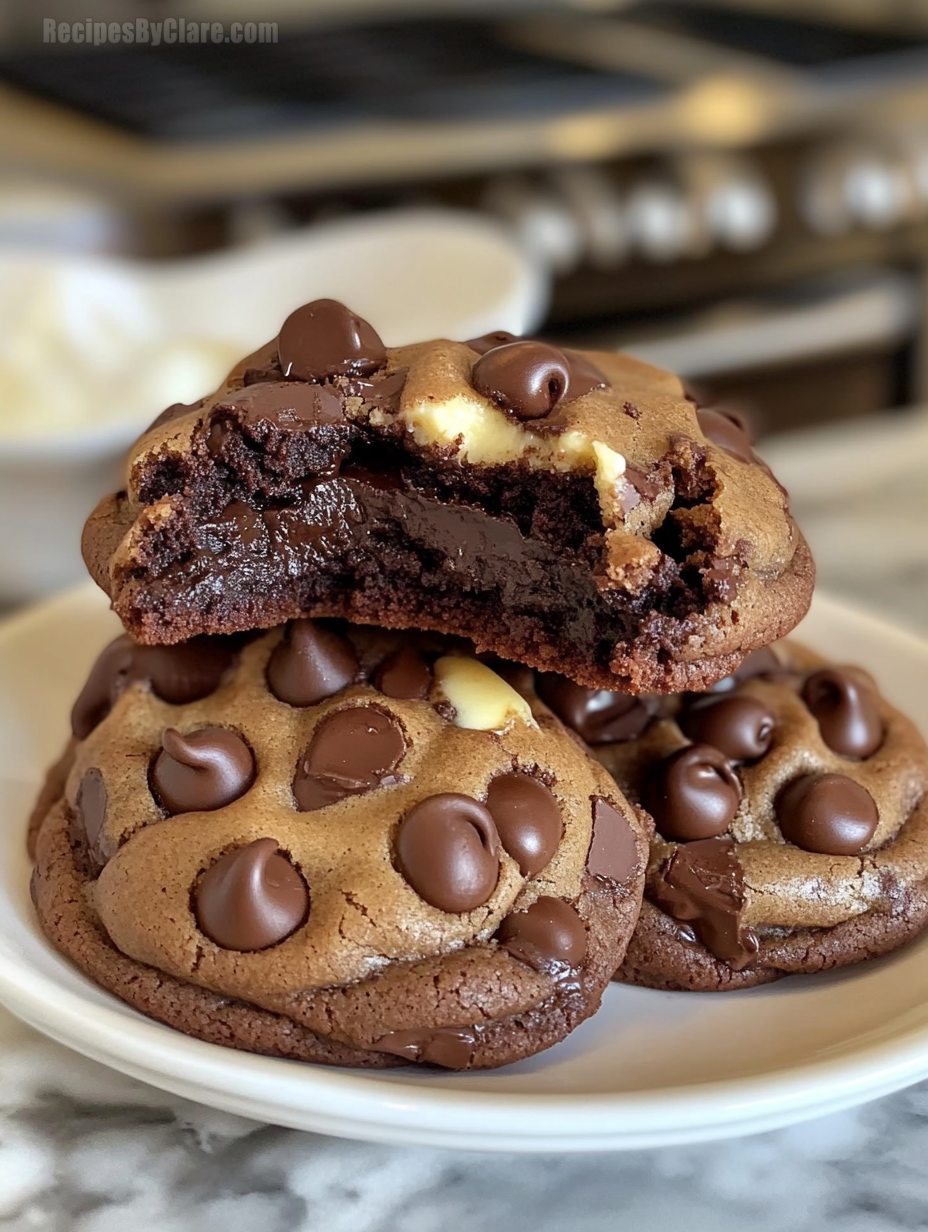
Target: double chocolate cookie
335 844
791 815
569 510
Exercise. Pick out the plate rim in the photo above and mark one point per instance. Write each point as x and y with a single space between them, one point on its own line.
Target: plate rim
354 1104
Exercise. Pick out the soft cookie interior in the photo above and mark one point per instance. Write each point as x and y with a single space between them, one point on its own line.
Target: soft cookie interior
573 511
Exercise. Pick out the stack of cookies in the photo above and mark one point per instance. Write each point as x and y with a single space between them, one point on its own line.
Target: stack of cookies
448 694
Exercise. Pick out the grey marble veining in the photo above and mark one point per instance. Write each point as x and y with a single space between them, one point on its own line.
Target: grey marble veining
83 1149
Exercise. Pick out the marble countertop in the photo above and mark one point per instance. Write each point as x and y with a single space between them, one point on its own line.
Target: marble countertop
83 1149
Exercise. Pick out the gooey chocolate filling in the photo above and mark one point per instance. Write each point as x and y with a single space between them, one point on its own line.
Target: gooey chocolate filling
275 522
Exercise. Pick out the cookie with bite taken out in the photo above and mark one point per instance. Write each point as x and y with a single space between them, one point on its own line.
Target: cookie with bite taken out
566 509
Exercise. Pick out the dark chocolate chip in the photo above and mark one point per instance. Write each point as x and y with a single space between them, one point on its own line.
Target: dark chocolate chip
177 674
550 933
90 808
202 771
845 707
827 813
251 898
691 396
531 378
352 751
489 342
384 394
404 675
741 727
108 677
527 378
763 662
284 405
584 376
447 848
186 672
310 664
693 794
648 486
325 339
528 820
449 1047
597 715
727 431
614 847
702 883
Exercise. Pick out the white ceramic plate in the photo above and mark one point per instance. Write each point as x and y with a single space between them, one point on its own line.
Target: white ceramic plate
650 1068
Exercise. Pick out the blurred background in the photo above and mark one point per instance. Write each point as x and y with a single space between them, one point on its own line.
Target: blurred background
735 189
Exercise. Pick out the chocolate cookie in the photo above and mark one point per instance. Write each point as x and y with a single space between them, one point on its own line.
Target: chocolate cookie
570 510
791 814
336 844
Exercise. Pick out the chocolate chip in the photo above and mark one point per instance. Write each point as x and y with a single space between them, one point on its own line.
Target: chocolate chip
405 675
647 485
202 771
108 677
186 672
763 662
528 820
489 342
727 431
251 898
613 848
549 933
845 707
702 883
449 1047
827 813
90 808
597 715
352 751
447 848
584 376
531 378
527 378
284 405
325 339
310 664
693 794
740 727
177 674
384 395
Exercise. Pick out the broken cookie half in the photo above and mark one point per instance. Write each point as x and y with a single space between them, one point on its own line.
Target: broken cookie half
569 510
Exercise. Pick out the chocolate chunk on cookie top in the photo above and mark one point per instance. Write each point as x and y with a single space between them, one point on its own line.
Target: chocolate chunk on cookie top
347 845
500 489
791 815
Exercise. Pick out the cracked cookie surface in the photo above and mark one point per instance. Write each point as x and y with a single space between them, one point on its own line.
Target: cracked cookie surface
396 863
570 510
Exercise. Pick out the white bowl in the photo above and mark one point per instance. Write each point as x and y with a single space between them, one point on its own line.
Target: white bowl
417 273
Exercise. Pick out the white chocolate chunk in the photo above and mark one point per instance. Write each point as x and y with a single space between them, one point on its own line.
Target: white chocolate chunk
610 467
482 700
481 434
